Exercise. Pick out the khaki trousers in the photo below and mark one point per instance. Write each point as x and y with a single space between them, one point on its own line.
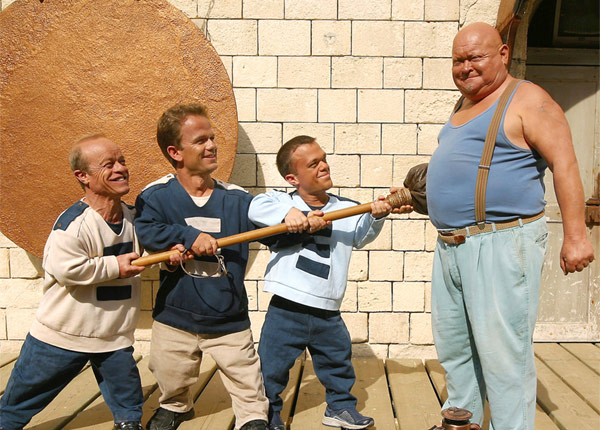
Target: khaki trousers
175 357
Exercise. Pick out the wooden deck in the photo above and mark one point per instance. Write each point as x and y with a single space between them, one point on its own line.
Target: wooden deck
399 394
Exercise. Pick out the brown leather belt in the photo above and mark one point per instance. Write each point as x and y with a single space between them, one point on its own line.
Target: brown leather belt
456 237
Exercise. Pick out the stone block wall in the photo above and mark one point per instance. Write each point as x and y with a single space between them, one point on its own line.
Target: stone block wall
371 81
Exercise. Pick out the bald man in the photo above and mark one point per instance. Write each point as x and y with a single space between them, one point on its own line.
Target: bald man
91 298
486 274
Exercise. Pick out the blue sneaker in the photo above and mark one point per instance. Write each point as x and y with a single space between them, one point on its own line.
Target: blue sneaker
348 418
276 422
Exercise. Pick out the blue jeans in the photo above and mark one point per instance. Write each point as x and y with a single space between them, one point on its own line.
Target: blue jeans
43 370
484 307
289 328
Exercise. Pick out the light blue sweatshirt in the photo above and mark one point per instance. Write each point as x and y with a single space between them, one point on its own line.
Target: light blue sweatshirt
311 269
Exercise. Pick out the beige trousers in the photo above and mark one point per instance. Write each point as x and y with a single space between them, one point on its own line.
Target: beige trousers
175 357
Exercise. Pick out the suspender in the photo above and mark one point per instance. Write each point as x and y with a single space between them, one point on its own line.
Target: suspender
483 170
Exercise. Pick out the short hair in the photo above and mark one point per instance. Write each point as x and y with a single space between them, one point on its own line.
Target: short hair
76 159
168 130
284 155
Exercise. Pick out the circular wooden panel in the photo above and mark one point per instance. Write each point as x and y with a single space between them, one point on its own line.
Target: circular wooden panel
72 67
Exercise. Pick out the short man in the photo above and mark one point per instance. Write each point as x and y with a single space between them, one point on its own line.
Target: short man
200 308
91 298
486 279
307 274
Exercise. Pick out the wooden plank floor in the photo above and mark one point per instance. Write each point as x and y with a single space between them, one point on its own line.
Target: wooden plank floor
398 393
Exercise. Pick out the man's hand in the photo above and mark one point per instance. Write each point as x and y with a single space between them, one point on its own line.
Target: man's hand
177 259
296 221
316 221
576 255
380 207
126 270
204 244
402 209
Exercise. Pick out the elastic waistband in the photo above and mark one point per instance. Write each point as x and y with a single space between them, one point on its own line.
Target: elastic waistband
456 237
288 305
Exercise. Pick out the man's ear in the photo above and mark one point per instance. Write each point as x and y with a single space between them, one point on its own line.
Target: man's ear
81 176
291 179
174 153
505 53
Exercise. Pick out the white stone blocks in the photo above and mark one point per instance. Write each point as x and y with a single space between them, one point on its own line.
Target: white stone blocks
4 263
418 266
18 322
420 329
350 300
259 137
331 37
357 138
378 38
21 293
233 36
376 170
375 296
345 170
267 173
399 139
254 72
245 100
373 9
402 72
3 334
380 106
188 7
356 72
427 138
407 10
437 74
430 106
385 266
388 328
337 105
304 72
422 352
357 323
263 9
297 105
244 172
284 37
429 39
383 242
322 132
219 8
257 263
5 242
409 235
408 296
442 10
359 266
24 264
310 9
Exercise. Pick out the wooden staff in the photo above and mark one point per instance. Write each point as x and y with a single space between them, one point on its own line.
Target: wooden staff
401 197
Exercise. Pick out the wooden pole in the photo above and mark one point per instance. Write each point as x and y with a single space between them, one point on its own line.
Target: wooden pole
401 197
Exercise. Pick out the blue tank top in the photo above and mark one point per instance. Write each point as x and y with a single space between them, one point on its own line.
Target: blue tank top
516 180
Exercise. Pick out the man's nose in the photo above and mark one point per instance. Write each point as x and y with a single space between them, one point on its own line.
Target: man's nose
210 143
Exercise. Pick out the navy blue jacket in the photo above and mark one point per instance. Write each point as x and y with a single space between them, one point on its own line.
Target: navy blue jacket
205 306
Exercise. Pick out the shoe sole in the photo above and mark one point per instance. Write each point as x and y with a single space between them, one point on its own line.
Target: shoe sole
334 422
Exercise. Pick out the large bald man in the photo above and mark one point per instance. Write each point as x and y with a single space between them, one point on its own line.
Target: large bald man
91 298
486 277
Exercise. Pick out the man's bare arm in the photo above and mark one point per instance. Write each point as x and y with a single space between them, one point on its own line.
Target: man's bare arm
545 128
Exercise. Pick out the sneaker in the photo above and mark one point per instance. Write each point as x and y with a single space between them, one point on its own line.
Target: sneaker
164 419
276 422
255 425
128 425
348 418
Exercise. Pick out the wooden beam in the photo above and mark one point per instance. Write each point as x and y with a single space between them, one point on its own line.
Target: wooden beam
415 401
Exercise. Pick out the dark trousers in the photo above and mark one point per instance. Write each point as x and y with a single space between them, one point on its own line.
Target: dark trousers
289 328
43 370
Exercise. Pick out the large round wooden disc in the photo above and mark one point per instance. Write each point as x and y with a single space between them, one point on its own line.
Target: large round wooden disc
73 67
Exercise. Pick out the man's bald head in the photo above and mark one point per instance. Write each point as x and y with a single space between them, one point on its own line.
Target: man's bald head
479 60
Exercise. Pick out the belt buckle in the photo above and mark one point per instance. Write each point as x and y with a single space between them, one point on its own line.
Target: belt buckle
459 239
